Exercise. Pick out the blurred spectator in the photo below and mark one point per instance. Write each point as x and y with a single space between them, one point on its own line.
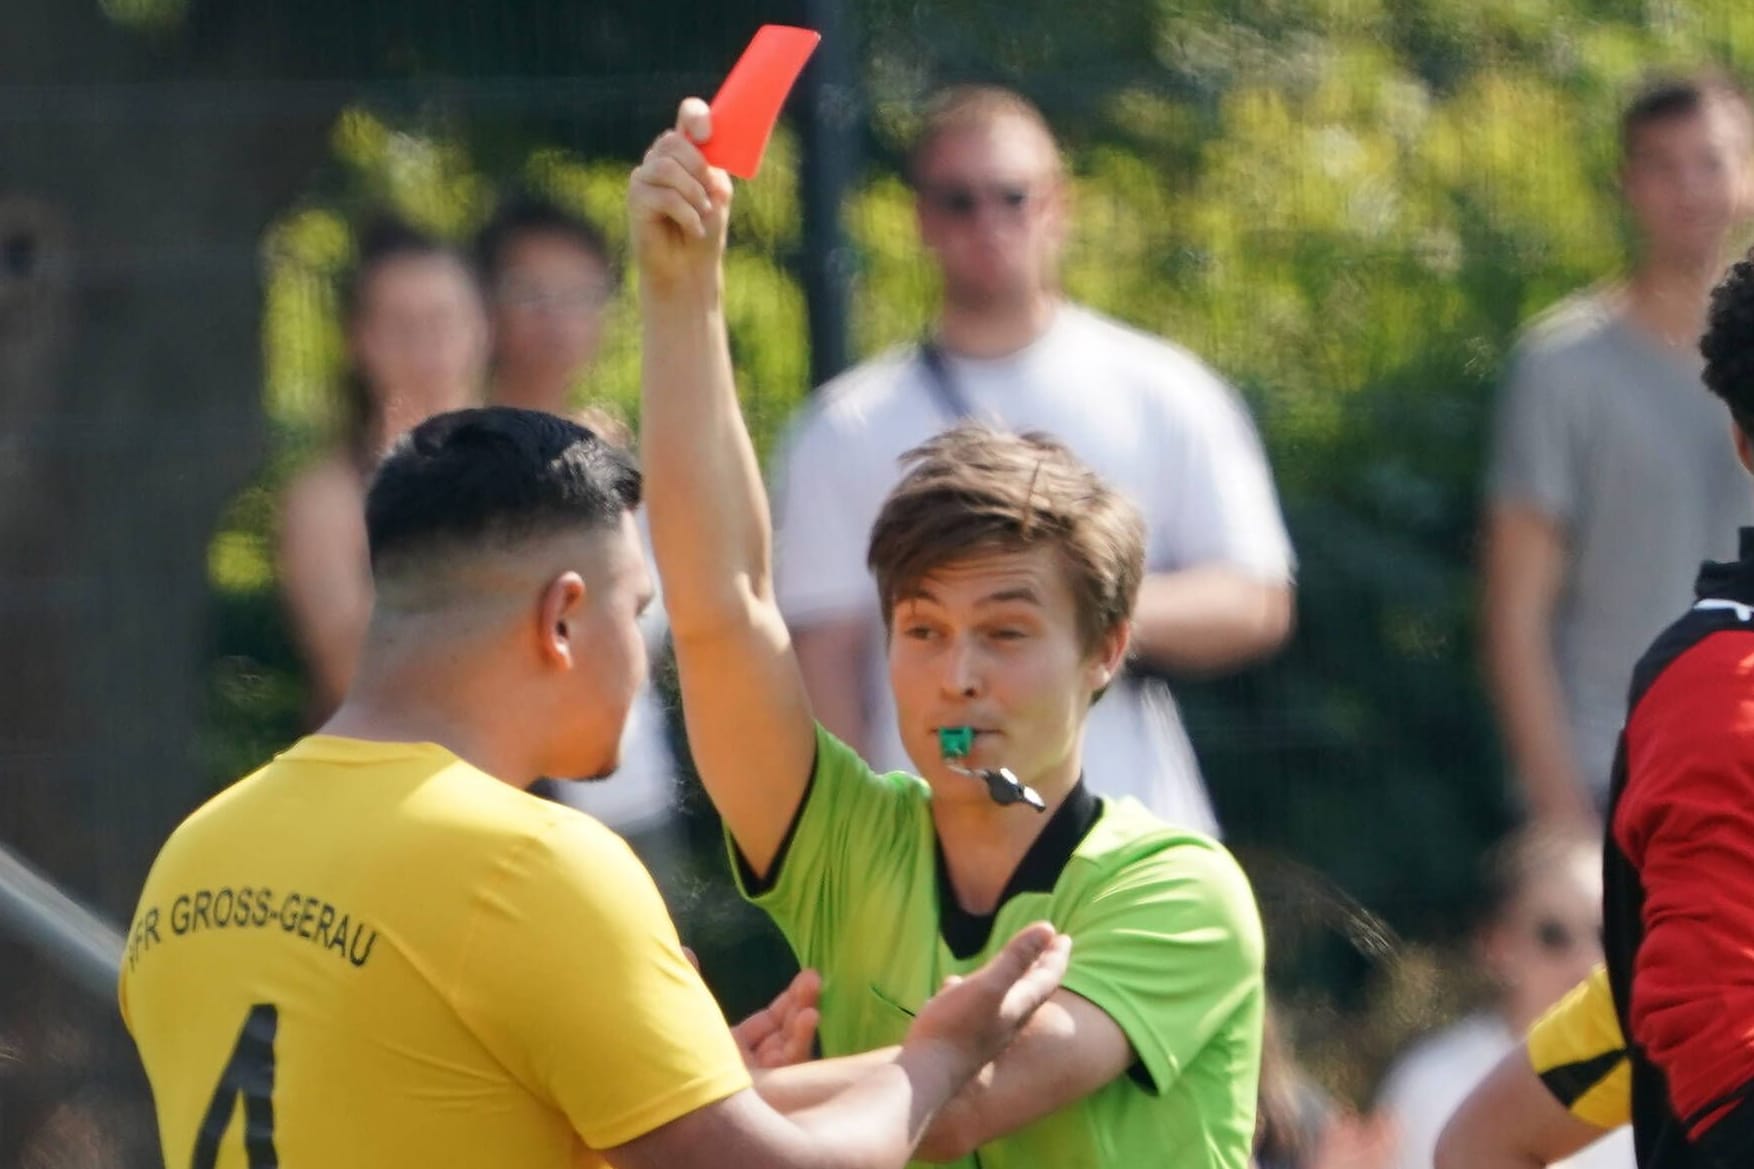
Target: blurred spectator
549 275
1008 349
1541 935
1298 1126
417 346
1612 474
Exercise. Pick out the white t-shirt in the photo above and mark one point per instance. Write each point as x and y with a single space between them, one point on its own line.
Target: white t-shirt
1146 415
1429 1083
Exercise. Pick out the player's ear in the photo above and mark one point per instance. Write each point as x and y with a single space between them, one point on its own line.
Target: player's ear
557 618
1106 659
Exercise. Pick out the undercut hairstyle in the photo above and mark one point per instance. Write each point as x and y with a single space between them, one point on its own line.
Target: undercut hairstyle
974 490
973 107
495 477
1666 98
523 215
1728 343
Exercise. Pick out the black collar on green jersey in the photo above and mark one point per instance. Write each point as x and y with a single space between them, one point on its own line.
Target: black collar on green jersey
1731 580
1038 872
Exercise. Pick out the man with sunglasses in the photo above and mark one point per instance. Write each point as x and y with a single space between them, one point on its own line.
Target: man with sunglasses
1007 349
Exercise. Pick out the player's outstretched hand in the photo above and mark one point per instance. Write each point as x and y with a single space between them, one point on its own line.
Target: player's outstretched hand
978 1016
783 1032
678 205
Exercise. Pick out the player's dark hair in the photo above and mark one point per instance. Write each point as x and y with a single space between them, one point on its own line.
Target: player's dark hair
1728 343
524 214
1666 98
491 474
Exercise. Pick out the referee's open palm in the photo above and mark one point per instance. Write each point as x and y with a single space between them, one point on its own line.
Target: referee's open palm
978 1016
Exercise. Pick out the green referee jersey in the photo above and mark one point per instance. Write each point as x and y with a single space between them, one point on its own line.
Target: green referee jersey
1166 941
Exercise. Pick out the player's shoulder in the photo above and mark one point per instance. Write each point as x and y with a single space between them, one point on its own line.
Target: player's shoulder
540 853
530 840
1581 1026
444 809
1579 1052
221 812
1699 654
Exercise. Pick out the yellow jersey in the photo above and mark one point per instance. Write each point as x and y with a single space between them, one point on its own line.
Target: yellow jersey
373 954
1579 1053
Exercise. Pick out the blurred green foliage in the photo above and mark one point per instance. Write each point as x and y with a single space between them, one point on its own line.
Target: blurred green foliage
1348 207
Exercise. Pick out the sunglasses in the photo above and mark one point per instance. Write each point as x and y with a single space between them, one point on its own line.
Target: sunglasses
534 298
965 202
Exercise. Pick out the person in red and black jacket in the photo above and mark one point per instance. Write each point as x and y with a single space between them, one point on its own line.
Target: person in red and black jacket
1679 888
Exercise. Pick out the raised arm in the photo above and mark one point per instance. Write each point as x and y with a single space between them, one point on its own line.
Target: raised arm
749 722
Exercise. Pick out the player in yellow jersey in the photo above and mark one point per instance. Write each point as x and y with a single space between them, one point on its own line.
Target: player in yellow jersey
1568 1085
378 950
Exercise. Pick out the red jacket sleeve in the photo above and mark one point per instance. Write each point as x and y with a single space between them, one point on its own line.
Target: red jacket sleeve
1686 823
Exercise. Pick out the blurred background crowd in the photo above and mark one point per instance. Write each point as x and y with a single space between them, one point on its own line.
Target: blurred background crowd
1384 311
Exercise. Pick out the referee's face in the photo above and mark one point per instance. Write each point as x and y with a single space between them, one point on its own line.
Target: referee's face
992 642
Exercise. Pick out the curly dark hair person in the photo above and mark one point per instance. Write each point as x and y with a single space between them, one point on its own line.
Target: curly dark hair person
1728 343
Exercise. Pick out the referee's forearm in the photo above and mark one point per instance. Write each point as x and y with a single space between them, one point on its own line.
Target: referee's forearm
793 1089
708 508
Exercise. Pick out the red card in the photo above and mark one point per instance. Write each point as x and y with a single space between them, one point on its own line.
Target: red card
748 103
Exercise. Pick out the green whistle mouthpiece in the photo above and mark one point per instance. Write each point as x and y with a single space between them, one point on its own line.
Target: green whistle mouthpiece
955 742
1003 786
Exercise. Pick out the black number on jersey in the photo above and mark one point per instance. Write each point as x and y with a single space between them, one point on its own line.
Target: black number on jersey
250 1074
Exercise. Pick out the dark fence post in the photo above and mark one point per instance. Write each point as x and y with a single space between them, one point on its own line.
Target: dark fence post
833 130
